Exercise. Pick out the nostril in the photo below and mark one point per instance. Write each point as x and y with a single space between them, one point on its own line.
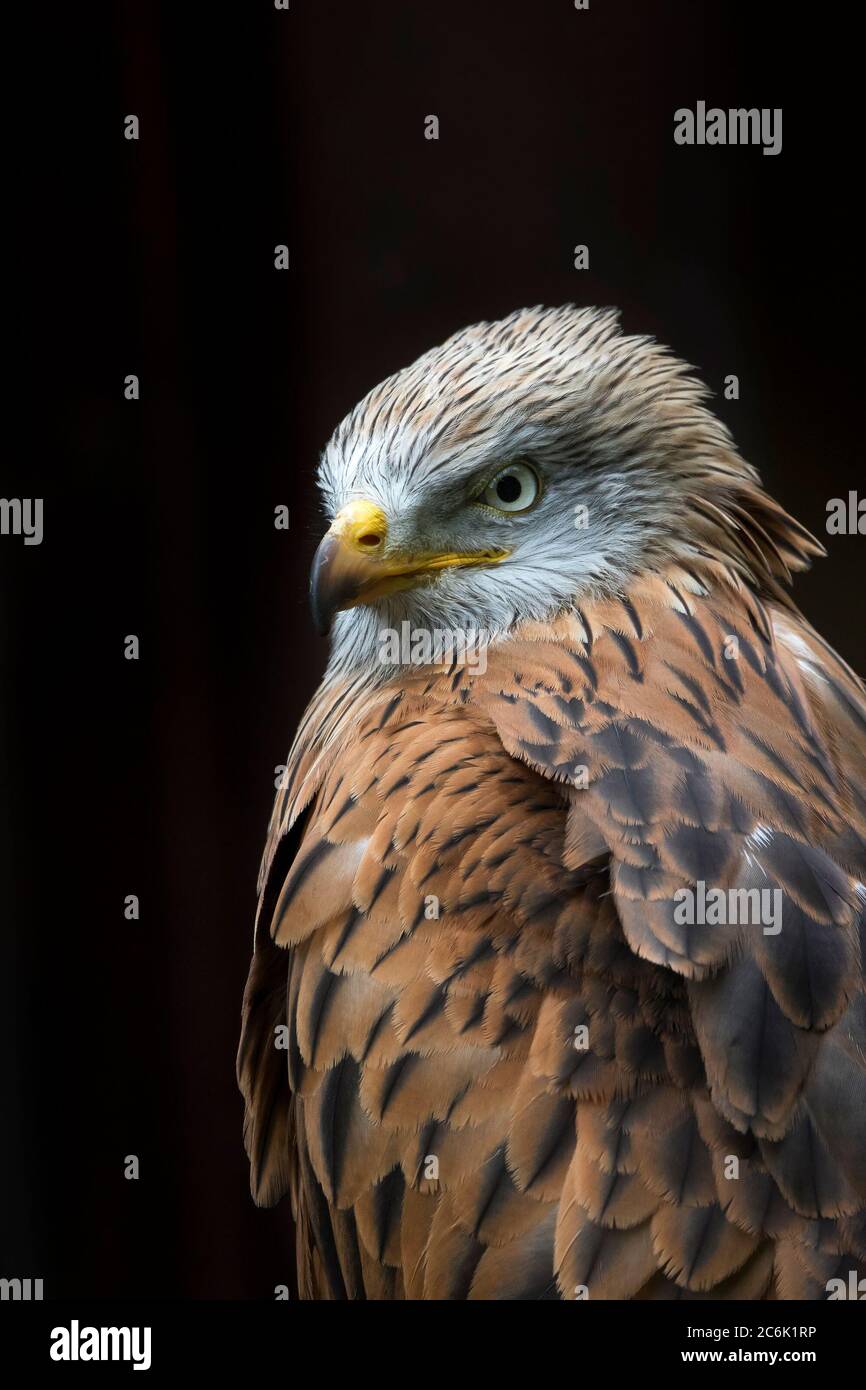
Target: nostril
370 540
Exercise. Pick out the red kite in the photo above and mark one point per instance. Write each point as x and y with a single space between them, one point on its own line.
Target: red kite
557 989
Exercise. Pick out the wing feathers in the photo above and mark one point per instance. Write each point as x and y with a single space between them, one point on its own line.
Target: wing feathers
525 1058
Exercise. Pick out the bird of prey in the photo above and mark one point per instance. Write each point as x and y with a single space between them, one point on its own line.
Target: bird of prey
557 987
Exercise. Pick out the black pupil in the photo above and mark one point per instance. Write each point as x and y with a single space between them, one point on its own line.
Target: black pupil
509 488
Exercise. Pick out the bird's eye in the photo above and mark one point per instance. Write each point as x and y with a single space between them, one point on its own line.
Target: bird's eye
514 489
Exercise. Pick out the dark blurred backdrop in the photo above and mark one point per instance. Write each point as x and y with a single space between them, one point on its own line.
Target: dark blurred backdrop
155 777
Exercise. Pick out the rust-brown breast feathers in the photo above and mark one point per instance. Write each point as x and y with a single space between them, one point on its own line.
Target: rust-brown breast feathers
489 878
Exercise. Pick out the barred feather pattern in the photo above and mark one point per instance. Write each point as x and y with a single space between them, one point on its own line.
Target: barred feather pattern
469 875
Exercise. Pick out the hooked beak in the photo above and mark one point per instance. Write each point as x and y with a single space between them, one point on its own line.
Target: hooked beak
351 565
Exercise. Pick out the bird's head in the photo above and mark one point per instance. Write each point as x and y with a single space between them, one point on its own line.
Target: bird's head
523 466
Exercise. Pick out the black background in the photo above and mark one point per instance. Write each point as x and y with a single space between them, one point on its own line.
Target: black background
156 257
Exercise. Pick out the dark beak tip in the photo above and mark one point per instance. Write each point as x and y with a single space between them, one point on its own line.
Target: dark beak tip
324 595
321 620
320 611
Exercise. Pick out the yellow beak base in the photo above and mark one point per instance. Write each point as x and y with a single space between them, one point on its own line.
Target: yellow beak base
351 567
